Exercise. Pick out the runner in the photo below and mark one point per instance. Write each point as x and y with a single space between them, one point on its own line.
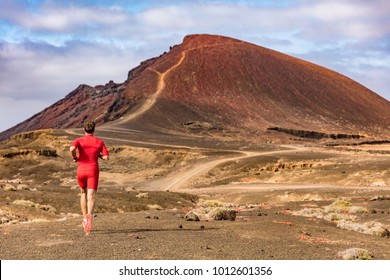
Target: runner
86 151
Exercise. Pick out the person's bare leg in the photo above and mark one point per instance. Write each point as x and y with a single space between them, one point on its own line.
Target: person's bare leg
90 206
83 202
91 200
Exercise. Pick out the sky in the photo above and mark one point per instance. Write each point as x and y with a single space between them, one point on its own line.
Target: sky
48 48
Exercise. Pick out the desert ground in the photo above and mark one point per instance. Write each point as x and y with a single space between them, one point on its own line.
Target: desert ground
196 198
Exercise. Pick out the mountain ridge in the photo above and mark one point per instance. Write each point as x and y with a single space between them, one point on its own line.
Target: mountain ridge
226 83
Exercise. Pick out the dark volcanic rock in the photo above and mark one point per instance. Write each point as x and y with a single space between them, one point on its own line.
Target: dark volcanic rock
191 216
315 134
24 152
224 214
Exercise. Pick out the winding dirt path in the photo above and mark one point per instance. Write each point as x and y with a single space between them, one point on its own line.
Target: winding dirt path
179 180
152 99
149 102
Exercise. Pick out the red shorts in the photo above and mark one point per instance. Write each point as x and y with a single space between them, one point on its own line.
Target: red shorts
88 179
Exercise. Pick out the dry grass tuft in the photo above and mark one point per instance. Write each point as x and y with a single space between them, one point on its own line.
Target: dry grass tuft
29 203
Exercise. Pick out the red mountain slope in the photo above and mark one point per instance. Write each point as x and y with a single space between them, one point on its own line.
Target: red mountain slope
217 82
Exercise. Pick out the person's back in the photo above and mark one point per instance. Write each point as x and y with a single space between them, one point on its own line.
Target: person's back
89 148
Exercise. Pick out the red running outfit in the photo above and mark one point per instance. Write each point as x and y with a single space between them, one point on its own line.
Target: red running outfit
89 149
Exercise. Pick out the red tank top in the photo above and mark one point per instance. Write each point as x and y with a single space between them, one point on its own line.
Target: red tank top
89 148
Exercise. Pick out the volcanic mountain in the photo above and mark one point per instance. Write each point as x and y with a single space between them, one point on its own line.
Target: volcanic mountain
221 85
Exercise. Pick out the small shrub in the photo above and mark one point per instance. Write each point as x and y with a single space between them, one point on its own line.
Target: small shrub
338 206
356 254
372 228
155 207
142 195
212 203
9 188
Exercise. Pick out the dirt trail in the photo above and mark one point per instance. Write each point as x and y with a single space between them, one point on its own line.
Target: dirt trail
160 87
152 100
178 181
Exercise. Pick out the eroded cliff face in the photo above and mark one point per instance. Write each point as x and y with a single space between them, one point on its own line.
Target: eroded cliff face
229 84
102 103
99 103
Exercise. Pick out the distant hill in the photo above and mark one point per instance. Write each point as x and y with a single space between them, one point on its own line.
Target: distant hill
216 83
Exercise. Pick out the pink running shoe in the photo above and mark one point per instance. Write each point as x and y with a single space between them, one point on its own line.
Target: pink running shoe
84 222
88 224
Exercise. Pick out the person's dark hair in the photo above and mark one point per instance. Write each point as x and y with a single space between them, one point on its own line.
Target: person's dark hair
89 126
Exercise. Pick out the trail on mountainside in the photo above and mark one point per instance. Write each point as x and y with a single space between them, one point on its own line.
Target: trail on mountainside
148 103
152 99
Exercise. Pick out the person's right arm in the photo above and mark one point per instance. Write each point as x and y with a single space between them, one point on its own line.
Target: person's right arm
104 154
104 157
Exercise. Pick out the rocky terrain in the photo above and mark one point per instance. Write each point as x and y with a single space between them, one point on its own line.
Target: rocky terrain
174 202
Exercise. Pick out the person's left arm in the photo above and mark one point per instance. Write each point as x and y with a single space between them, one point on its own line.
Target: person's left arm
73 151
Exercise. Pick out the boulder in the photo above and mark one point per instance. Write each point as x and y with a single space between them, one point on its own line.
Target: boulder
223 214
191 216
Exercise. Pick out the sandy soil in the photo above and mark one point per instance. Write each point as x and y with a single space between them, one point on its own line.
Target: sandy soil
291 202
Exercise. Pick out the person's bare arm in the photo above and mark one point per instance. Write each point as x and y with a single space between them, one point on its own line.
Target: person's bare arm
74 153
104 157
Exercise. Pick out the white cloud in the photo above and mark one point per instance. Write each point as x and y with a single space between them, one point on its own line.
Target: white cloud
352 20
60 18
330 11
41 70
14 111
